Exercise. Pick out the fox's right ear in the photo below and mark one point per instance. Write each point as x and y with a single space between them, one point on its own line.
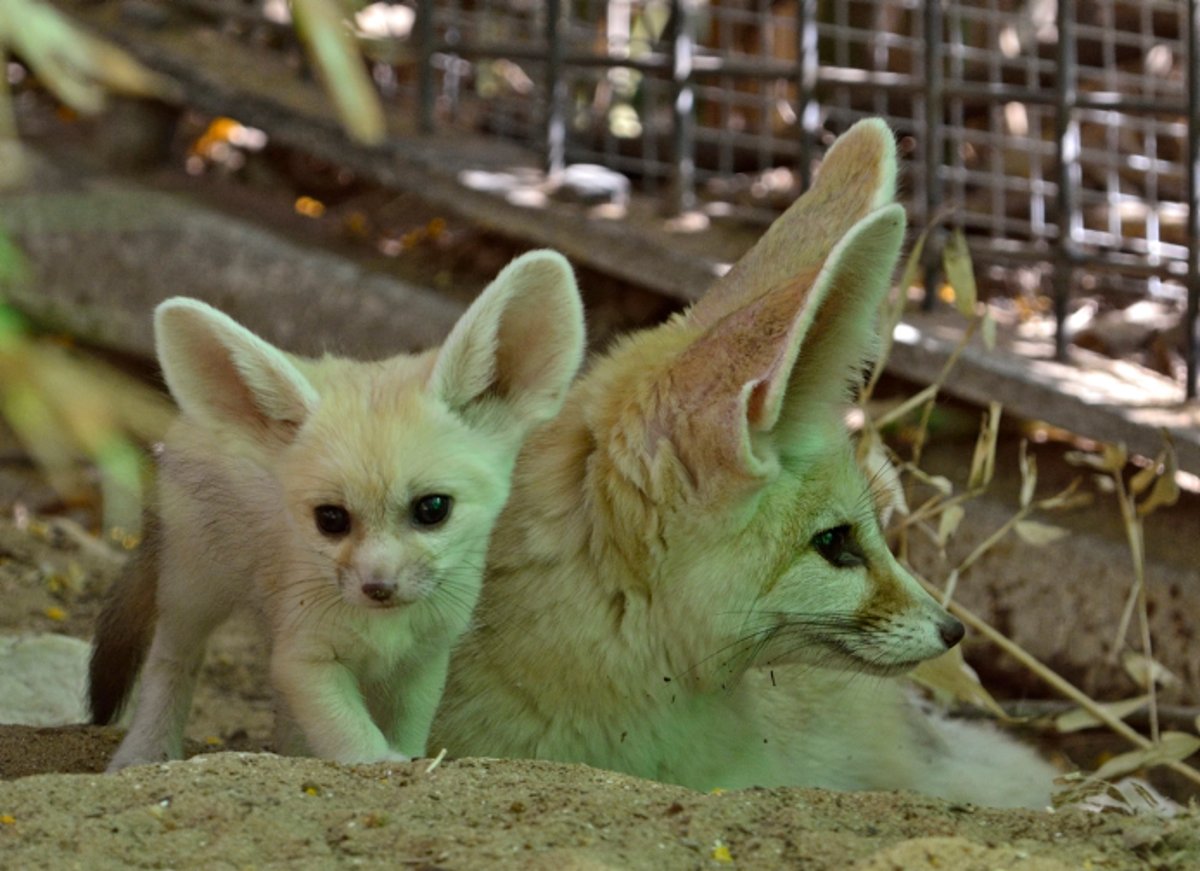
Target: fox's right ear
856 177
511 357
223 375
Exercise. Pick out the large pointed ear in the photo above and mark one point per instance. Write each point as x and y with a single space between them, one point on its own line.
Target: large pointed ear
857 176
516 349
740 390
223 375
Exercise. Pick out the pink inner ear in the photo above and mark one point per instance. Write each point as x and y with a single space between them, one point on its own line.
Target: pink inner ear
756 407
730 381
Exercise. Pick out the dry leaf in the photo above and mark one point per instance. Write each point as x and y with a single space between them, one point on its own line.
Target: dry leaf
987 330
1144 477
1068 498
1078 719
983 462
1111 458
950 677
1131 795
1028 464
1143 669
1039 534
960 272
948 523
1171 747
937 482
1166 489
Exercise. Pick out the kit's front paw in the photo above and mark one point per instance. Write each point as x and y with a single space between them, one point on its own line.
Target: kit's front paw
369 758
126 757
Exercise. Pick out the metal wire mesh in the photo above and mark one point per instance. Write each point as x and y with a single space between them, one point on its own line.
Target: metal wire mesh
1062 135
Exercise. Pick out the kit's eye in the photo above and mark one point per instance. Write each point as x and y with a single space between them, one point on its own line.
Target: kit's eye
431 510
332 520
838 547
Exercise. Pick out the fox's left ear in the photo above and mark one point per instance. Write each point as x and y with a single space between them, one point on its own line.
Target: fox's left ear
745 387
513 353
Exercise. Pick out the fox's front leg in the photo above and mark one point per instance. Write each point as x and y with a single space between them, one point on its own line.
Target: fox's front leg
322 699
412 697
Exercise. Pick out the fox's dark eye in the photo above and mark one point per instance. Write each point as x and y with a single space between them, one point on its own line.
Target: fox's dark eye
838 547
431 510
332 520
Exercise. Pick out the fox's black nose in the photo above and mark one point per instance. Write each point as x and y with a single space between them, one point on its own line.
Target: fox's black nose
952 631
379 592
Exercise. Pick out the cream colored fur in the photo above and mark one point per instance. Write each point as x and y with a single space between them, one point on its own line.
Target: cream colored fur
661 595
361 623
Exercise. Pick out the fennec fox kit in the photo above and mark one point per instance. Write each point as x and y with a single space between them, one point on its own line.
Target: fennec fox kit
690 582
349 503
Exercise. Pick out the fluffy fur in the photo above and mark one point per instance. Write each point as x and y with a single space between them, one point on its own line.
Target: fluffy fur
272 456
690 583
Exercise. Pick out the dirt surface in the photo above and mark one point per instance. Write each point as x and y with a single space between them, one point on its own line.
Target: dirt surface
230 807
255 810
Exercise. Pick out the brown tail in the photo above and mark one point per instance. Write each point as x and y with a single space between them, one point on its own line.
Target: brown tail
124 631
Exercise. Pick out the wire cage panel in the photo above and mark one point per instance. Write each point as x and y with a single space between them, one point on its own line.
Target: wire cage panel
1059 131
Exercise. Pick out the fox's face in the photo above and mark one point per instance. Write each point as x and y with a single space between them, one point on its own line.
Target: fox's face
721 450
391 495
391 473
798 571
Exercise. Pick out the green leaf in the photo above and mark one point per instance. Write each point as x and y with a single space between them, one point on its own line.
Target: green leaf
335 54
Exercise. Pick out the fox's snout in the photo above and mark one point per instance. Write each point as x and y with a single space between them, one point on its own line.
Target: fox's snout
382 588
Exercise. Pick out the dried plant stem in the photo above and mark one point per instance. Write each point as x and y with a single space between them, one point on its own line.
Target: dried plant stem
947 367
990 542
923 427
931 508
1055 681
1137 595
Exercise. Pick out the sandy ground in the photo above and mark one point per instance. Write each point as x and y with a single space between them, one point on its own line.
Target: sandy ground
229 807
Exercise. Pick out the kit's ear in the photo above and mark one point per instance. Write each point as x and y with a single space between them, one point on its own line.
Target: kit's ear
514 352
223 375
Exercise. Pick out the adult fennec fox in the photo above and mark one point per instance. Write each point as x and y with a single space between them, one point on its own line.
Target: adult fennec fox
689 582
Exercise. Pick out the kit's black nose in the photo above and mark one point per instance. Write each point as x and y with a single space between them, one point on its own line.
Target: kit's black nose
378 592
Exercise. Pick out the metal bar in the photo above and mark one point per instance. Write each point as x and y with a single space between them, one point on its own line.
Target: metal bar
683 106
808 68
1192 316
556 91
425 50
935 108
1066 138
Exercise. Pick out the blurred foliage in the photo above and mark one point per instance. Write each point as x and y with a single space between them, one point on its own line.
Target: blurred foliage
322 26
65 407
76 66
